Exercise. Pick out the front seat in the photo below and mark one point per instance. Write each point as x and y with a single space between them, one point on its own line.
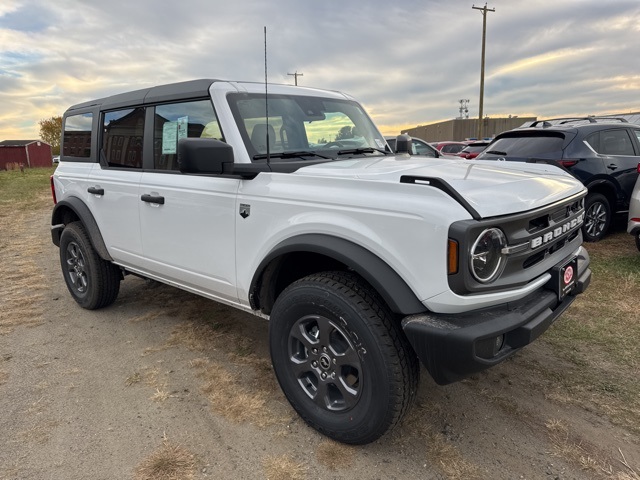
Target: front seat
259 137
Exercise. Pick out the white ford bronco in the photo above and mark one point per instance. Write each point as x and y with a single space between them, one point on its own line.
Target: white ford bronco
286 202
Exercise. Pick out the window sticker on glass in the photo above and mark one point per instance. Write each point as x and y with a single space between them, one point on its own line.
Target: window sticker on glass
169 138
183 128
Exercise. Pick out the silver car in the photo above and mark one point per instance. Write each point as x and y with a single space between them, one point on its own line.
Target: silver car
633 226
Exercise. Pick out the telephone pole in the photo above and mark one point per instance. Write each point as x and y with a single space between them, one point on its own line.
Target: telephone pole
484 11
295 76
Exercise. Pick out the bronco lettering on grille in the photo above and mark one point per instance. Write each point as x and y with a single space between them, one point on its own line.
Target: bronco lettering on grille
557 232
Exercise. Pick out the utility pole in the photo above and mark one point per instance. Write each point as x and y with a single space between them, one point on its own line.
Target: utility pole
295 76
484 11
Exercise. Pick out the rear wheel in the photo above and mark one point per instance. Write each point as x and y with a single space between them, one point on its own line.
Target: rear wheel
341 359
93 282
597 217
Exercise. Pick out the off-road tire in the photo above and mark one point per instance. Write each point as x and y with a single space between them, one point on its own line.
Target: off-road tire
597 217
93 282
360 343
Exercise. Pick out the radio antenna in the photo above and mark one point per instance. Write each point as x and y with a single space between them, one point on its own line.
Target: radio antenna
266 103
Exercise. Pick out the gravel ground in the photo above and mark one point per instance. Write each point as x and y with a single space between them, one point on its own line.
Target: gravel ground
166 383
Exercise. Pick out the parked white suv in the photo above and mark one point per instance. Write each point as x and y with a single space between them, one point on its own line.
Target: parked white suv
291 206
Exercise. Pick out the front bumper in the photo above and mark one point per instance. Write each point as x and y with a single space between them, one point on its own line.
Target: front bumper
453 346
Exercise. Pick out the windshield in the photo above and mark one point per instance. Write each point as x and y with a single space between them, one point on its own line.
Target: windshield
304 126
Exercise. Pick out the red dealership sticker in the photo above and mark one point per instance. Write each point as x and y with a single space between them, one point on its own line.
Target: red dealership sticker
568 275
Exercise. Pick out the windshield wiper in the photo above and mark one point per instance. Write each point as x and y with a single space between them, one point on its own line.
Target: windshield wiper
296 154
355 151
496 152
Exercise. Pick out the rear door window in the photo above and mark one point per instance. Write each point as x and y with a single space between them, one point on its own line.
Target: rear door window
616 142
122 137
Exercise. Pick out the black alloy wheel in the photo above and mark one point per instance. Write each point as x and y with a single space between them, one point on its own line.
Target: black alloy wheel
93 282
597 217
341 357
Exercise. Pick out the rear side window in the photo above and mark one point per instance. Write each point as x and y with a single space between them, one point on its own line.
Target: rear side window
529 146
76 141
612 142
181 120
122 137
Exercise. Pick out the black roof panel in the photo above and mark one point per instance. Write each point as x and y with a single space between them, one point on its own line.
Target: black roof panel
161 93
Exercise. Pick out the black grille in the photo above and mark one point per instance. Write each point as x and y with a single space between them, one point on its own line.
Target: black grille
538 240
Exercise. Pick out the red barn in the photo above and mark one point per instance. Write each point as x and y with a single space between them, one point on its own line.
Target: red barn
30 153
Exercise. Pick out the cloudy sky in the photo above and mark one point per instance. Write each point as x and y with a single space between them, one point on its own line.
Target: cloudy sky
408 61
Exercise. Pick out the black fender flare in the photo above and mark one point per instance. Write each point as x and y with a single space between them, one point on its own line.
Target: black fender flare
384 279
77 206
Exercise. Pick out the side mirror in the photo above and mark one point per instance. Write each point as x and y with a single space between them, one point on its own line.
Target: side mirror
403 144
203 155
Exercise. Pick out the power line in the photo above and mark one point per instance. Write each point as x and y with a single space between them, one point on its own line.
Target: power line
295 76
484 11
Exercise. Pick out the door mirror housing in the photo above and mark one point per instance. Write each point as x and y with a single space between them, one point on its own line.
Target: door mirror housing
204 155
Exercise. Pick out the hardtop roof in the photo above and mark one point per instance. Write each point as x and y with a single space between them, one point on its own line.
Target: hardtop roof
172 91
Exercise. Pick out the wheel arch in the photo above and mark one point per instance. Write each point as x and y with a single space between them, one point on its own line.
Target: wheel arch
606 188
73 209
306 254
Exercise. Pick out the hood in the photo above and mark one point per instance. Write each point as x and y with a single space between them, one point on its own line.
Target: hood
491 188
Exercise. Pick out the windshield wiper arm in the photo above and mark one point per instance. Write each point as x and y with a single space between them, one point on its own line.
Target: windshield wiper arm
296 154
496 152
355 151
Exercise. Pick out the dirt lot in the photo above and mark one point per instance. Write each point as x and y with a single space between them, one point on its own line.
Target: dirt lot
164 384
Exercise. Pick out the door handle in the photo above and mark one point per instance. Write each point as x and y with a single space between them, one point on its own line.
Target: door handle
612 166
152 199
96 190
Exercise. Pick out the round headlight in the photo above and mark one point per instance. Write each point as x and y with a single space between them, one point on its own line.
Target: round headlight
486 257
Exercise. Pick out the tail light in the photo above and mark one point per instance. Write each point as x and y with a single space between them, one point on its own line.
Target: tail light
639 168
567 162
53 191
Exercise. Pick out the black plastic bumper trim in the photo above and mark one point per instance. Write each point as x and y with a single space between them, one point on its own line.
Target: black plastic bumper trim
446 343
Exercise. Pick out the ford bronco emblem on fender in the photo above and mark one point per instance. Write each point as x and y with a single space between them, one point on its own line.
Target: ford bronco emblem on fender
245 210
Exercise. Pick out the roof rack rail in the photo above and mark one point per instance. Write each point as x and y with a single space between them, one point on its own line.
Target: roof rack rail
563 120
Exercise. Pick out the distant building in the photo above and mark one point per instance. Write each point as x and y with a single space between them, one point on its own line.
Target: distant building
460 129
633 117
30 153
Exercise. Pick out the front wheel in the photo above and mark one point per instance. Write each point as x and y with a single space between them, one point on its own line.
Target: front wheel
93 282
597 217
342 361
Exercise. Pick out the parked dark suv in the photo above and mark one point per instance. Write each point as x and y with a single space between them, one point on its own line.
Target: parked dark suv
602 152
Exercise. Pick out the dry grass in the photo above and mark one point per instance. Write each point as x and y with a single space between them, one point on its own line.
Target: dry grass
23 285
440 452
168 462
570 448
598 337
335 456
22 197
237 395
283 467
40 433
132 379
